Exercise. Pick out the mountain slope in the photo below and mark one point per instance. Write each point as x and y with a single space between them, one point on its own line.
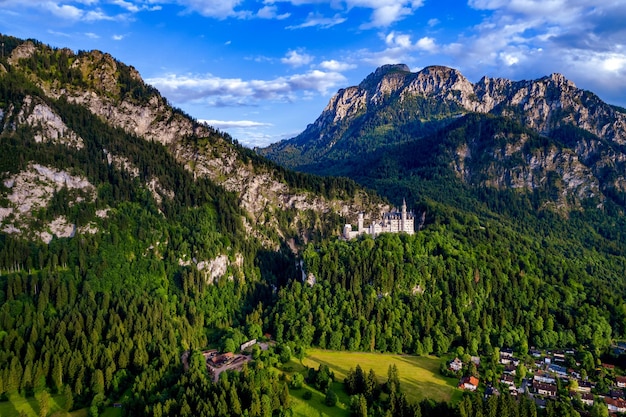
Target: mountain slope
115 94
387 116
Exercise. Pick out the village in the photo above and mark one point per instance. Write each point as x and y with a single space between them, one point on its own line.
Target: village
547 375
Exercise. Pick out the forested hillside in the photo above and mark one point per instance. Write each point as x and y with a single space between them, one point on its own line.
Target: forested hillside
129 244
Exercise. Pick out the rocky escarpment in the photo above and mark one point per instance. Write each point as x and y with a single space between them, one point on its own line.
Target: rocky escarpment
541 104
109 88
32 190
395 106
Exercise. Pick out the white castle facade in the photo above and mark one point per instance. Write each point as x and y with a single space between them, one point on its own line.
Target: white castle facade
402 221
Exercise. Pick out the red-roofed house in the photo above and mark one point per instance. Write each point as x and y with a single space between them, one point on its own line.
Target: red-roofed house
469 383
615 405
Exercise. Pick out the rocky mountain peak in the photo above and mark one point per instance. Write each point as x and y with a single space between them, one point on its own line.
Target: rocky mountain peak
439 80
372 80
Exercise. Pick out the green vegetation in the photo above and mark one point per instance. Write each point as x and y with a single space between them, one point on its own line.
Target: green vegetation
106 316
419 375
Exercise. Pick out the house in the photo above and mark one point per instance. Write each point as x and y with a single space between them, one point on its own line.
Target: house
616 393
621 381
615 405
508 380
456 365
475 360
544 378
535 353
547 390
469 383
573 373
246 345
510 369
558 357
585 386
608 366
587 398
506 355
559 370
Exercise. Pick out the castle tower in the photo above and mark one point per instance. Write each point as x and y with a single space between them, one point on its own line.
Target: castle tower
360 223
403 218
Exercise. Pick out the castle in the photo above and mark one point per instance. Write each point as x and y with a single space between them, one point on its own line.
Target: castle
392 222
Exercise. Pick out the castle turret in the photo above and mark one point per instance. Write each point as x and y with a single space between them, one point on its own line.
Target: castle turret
403 218
360 226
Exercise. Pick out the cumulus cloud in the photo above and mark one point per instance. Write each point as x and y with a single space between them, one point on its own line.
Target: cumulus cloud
78 11
216 91
583 39
63 11
296 59
336 66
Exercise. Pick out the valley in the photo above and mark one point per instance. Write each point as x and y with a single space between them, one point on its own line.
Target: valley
131 233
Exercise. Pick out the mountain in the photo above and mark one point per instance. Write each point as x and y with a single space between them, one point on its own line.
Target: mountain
44 88
501 134
138 245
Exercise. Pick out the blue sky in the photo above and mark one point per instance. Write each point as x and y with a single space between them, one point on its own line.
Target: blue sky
262 70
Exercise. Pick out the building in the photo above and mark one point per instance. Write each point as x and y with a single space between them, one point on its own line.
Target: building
456 365
469 383
398 221
548 390
544 378
621 381
615 405
587 398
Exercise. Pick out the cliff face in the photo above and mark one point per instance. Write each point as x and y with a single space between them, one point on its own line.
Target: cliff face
394 106
116 94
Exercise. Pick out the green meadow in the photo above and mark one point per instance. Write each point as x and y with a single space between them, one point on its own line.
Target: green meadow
17 404
419 375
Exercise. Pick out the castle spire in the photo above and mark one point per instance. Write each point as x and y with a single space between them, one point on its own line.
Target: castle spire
403 218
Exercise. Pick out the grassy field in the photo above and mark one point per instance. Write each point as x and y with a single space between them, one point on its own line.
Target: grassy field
29 406
315 407
419 375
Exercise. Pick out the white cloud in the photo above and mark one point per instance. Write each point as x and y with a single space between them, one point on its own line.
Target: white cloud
226 124
64 11
118 37
92 35
426 44
270 12
385 15
131 7
216 91
384 12
219 9
433 22
98 15
336 66
296 59
315 19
